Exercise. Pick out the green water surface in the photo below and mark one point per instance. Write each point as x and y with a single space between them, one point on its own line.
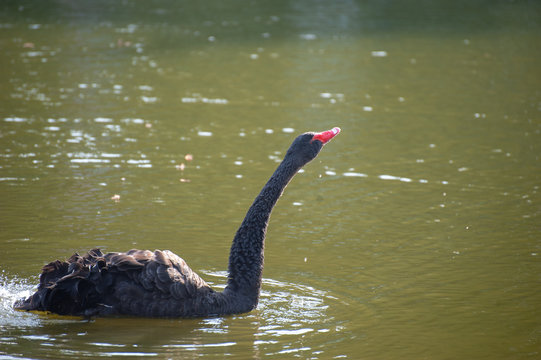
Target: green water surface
415 234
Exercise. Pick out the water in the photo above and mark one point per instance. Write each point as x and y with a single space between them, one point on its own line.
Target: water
414 234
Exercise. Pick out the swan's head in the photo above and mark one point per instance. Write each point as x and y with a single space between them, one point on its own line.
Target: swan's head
306 146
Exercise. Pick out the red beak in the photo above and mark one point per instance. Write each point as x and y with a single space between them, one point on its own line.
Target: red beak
326 136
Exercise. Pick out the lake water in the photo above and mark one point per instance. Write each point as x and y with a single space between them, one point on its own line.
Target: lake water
415 234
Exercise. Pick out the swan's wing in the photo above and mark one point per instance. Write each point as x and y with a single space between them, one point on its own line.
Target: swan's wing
159 271
138 282
157 283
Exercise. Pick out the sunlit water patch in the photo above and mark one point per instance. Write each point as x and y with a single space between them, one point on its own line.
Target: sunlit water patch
286 303
351 173
12 289
66 141
292 318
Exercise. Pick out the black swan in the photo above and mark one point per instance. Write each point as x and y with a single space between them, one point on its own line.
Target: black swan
159 283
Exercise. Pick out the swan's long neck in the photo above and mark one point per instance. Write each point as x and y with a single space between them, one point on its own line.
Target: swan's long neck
246 257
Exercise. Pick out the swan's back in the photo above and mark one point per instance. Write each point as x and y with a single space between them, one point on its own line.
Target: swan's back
138 282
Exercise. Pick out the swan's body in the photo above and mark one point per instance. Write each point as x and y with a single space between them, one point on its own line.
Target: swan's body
161 284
